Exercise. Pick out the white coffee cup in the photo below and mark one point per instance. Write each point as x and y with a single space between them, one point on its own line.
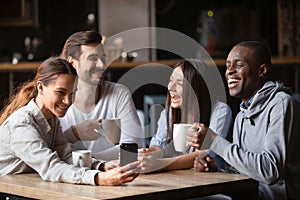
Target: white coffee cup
82 158
179 136
112 130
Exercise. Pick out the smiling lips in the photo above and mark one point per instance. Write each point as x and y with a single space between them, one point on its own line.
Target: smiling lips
63 108
232 83
174 98
97 72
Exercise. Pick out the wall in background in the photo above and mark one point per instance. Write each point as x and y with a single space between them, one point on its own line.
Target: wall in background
120 15
229 22
54 22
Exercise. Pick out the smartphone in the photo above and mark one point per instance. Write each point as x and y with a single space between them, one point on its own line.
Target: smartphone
128 153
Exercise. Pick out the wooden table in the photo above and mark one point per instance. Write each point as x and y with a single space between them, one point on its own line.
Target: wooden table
178 184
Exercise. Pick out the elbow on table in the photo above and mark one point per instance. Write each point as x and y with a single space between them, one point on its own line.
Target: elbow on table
269 170
270 178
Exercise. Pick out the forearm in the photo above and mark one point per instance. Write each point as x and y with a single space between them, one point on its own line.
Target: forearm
49 165
111 153
185 161
69 134
258 166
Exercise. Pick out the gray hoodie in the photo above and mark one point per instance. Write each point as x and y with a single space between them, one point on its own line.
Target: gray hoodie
266 143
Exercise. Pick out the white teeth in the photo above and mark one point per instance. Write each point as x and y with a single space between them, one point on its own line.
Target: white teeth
62 108
231 80
172 95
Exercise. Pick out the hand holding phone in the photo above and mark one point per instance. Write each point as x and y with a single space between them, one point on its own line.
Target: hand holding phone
128 153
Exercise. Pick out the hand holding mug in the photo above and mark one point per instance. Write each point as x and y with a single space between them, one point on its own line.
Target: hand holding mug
196 134
87 130
200 136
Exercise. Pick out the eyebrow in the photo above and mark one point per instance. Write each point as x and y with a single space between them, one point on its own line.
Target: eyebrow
179 80
92 55
236 60
61 88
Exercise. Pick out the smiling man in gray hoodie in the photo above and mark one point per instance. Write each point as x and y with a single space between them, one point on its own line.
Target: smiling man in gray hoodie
266 130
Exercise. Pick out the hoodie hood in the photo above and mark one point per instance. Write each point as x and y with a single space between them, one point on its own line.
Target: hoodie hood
263 97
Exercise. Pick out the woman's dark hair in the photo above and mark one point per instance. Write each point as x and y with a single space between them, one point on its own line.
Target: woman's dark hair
46 73
196 103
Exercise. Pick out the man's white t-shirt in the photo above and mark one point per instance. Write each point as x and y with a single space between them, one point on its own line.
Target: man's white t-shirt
115 102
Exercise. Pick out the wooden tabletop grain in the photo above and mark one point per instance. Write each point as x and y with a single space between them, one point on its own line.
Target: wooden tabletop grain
179 184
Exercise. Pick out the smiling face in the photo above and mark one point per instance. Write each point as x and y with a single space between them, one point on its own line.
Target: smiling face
175 87
91 65
56 97
242 73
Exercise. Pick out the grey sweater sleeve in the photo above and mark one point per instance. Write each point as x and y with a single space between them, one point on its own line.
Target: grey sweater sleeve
259 144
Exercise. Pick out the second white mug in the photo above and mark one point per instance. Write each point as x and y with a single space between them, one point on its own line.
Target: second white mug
82 158
179 136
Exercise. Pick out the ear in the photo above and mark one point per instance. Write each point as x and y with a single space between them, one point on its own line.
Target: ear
40 87
73 61
263 70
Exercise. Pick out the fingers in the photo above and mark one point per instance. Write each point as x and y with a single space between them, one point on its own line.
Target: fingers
118 175
196 134
193 135
130 167
131 177
111 164
205 163
208 159
201 165
144 169
145 164
128 172
151 164
126 178
198 166
144 150
211 162
96 124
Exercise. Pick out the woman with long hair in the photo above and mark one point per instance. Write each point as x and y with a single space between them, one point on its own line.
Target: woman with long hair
188 101
31 138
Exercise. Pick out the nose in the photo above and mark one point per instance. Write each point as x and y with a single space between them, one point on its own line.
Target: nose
100 64
171 86
67 99
230 69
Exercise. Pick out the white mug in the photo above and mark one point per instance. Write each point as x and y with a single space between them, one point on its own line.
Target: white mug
179 136
112 130
82 158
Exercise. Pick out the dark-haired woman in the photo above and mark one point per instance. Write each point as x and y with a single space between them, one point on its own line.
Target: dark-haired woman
188 101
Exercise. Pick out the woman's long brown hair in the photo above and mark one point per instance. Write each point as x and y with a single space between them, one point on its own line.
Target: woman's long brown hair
196 103
46 73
